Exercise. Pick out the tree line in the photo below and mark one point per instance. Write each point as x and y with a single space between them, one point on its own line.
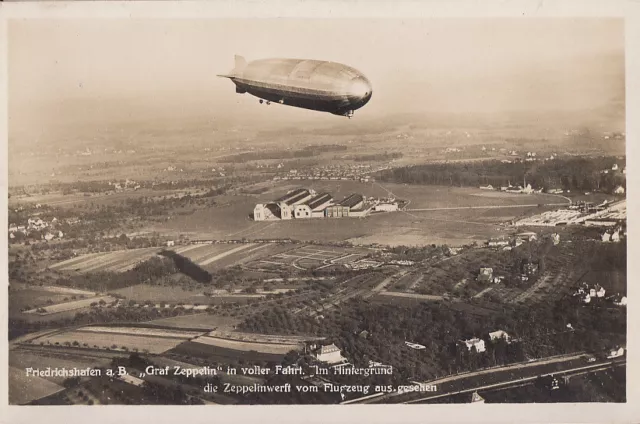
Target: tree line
572 173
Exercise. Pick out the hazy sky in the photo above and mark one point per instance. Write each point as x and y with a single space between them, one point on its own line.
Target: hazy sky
414 65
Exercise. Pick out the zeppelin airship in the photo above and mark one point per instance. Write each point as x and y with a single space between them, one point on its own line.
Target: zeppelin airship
309 84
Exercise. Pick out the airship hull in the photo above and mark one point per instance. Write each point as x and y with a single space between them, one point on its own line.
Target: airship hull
309 84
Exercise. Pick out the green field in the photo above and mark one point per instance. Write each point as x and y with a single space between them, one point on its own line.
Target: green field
32 298
174 295
204 321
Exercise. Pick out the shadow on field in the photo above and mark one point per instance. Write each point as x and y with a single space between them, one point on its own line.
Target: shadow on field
187 267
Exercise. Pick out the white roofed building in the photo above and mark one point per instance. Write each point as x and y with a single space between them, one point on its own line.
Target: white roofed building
330 354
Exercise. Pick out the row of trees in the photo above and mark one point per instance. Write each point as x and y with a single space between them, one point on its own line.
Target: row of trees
307 152
378 157
575 173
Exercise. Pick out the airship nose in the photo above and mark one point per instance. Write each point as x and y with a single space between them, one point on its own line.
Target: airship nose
359 91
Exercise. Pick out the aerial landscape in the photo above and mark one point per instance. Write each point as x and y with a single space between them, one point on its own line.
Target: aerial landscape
448 227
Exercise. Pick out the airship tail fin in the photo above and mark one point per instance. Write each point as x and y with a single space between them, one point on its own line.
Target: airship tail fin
241 63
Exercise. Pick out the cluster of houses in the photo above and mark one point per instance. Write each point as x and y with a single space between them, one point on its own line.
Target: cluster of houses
611 236
526 189
517 240
478 343
528 270
39 225
528 157
486 276
124 186
354 172
603 215
587 294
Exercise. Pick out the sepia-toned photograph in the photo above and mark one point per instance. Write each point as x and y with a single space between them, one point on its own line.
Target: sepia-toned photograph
317 211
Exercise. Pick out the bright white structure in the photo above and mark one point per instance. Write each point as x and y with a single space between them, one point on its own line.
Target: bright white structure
499 334
621 302
475 342
476 398
302 211
415 345
259 212
615 237
330 354
386 207
614 353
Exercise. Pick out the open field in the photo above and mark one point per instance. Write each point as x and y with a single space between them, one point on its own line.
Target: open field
55 289
222 354
118 261
24 389
231 219
262 338
174 295
76 199
216 256
271 348
32 298
204 321
142 331
89 339
71 306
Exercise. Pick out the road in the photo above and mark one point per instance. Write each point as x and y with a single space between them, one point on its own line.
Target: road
521 381
394 397
455 208
384 283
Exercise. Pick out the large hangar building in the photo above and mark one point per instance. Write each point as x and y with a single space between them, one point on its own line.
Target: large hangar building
305 204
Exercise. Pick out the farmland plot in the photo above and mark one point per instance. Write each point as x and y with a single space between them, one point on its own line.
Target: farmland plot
71 306
176 295
31 298
221 354
206 254
142 331
271 348
262 338
118 261
101 340
204 321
